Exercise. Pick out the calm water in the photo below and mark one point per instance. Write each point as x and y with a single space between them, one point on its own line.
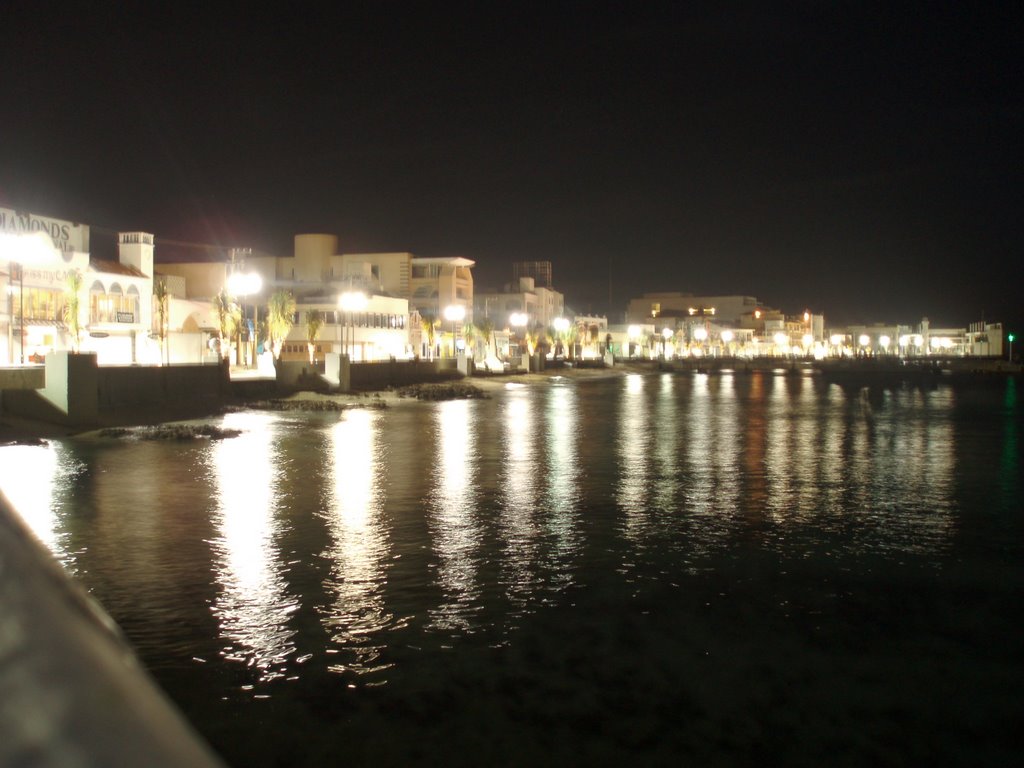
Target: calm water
647 569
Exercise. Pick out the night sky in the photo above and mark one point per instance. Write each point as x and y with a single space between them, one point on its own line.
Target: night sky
861 160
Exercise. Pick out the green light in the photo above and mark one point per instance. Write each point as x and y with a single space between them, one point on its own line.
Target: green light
1011 337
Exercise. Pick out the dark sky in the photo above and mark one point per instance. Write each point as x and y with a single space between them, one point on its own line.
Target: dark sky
861 160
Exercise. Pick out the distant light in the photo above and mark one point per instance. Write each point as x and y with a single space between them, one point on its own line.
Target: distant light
244 283
700 334
884 341
836 339
561 324
807 317
757 314
454 313
918 340
667 333
692 310
518 319
634 331
904 340
27 250
1011 337
781 339
352 301
727 336
808 339
864 340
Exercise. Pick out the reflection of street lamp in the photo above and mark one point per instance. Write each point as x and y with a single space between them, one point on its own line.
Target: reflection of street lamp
24 250
350 301
243 284
454 313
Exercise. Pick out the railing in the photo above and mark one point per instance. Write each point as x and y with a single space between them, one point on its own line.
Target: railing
73 693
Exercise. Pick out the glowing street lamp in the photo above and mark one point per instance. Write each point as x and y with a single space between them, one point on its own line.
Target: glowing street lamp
24 250
884 341
244 284
349 302
781 341
666 334
454 313
864 340
1010 337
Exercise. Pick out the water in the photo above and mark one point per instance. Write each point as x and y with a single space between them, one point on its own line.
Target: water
644 569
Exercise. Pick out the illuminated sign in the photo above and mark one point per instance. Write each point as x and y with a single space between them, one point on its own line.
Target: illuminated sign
67 236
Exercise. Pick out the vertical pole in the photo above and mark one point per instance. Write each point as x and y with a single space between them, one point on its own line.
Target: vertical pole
21 310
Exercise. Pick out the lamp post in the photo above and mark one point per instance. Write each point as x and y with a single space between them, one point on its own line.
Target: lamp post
454 313
243 284
518 320
1010 337
727 336
350 301
22 250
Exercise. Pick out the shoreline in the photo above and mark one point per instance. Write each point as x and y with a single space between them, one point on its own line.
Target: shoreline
16 430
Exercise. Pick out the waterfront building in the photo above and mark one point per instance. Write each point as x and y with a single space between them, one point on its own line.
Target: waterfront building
540 305
674 304
115 314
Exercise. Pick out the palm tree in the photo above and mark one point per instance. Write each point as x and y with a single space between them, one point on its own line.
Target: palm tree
486 329
280 319
314 321
472 336
162 296
226 312
532 338
72 305
429 327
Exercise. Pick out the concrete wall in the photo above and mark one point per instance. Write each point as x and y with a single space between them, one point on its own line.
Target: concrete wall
133 387
71 385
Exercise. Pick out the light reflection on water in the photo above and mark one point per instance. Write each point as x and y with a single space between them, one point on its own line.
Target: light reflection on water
35 480
254 601
521 475
454 526
358 543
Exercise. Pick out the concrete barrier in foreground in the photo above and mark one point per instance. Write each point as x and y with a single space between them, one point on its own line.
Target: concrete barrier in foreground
71 691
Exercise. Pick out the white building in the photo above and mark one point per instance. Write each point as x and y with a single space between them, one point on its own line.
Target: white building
38 257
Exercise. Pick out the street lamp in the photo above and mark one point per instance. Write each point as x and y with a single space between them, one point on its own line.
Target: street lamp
1010 337
24 250
350 301
244 284
454 313
782 341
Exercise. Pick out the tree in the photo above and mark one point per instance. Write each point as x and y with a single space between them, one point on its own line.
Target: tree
280 319
72 307
227 312
486 329
314 321
162 297
430 325
471 334
533 337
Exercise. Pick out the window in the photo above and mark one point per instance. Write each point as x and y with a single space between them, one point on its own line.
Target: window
40 304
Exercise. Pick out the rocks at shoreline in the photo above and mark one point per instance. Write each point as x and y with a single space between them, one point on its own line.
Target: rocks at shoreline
452 390
314 405
170 432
